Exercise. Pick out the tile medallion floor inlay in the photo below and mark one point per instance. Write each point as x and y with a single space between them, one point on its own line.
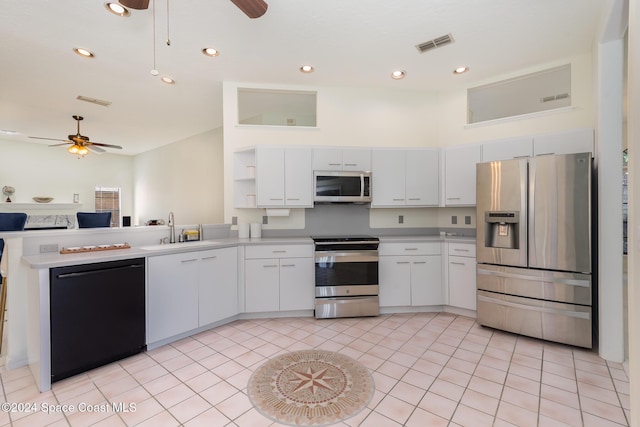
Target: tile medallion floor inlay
310 388
429 369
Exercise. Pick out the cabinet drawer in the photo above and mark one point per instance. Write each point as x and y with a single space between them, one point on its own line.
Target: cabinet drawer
278 251
413 248
462 249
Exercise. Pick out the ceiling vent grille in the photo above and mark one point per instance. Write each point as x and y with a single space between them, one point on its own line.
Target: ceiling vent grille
432 44
94 101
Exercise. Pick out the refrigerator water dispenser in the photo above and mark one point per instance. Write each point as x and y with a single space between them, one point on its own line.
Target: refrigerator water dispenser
501 229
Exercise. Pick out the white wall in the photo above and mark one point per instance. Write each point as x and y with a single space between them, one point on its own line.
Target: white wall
394 118
38 170
185 177
633 121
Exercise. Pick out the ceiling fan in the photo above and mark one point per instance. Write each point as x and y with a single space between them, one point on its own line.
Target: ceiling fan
252 8
80 144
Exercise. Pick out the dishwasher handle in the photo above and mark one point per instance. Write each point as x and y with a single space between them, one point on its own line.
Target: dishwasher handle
97 271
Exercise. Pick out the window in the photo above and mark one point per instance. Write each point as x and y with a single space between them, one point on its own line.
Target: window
532 93
108 200
276 107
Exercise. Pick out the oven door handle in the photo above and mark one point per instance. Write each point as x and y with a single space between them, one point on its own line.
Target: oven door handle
362 186
335 256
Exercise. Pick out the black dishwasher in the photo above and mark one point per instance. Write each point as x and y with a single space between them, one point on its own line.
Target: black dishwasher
97 315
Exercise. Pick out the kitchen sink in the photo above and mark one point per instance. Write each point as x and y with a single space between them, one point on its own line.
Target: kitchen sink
166 246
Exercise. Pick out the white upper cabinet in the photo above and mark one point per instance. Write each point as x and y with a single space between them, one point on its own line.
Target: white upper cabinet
338 159
460 175
567 142
405 177
388 178
506 149
284 177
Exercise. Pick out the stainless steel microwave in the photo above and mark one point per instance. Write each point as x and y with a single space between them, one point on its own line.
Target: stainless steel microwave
342 187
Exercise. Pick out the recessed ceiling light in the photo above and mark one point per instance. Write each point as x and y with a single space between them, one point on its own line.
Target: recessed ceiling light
209 51
460 70
168 80
398 74
306 69
83 52
117 9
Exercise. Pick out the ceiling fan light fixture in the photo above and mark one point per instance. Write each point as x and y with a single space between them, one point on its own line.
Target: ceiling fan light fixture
86 53
168 80
117 9
209 51
307 69
398 74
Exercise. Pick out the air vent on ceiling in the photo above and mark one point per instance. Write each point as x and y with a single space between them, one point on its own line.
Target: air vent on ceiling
437 42
94 101
554 97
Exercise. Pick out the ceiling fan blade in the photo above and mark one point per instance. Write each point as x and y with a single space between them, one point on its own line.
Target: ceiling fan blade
252 8
135 4
49 139
58 145
95 149
89 143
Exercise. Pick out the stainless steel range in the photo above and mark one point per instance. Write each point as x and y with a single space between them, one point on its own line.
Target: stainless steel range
346 270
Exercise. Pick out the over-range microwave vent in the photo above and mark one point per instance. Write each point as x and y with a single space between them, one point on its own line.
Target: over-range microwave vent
554 97
94 100
437 42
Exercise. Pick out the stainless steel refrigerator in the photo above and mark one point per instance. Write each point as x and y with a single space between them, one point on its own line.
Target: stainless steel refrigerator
534 247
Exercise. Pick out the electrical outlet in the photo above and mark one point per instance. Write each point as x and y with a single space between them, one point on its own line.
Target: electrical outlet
454 219
265 219
400 219
49 248
467 219
234 220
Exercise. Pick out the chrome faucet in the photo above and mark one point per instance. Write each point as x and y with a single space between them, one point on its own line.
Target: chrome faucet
172 228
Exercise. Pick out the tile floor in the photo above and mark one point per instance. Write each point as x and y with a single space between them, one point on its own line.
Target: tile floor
430 369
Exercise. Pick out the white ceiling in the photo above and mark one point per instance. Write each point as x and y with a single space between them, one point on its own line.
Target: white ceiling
354 43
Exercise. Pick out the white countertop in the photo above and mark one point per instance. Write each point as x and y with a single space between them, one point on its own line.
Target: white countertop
55 259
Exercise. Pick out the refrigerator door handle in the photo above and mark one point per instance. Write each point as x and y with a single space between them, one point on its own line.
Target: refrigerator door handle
569 313
560 280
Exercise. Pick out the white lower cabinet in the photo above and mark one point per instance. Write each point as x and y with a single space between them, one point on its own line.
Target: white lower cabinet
462 275
218 285
279 278
410 274
190 289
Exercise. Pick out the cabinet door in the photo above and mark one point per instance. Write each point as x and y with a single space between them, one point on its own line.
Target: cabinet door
388 185
218 286
422 177
356 159
426 280
507 149
298 178
462 282
173 295
270 177
327 159
568 142
262 290
395 281
460 175
297 287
